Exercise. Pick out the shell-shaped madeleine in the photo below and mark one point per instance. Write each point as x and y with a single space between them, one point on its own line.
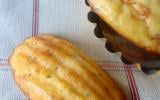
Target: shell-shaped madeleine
47 67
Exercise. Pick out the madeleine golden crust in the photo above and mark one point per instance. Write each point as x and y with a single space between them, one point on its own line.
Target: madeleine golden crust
47 67
136 20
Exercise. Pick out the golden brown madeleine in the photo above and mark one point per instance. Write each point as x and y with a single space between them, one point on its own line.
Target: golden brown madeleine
136 20
47 67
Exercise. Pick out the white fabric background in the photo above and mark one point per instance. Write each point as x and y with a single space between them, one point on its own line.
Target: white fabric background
68 19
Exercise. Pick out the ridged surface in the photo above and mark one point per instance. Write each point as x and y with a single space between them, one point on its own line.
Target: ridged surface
136 20
46 68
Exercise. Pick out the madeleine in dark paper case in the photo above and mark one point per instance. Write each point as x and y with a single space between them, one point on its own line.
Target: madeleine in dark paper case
138 21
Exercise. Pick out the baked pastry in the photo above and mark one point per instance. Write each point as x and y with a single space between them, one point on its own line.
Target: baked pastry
116 43
136 20
47 67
